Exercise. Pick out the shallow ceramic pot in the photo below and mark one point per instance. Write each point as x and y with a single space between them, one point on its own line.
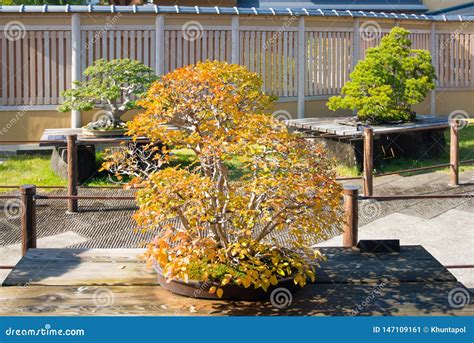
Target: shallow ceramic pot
103 133
200 290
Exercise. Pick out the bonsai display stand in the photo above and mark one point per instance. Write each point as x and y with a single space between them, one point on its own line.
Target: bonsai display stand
104 282
419 140
87 146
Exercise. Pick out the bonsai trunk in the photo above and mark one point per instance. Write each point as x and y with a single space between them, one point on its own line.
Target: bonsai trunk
114 110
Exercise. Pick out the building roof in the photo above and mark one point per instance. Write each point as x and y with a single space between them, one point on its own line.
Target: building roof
290 11
409 6
464 9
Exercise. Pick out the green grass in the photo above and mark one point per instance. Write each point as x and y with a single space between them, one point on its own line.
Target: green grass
347 171
20 170
466 152
186 156
35 169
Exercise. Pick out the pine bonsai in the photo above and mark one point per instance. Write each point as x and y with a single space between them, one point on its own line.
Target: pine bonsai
388 82
114 86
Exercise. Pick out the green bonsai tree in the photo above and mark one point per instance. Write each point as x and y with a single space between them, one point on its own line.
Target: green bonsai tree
388 82
114 86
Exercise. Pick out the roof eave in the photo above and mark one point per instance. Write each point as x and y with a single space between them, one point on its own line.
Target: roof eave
320 12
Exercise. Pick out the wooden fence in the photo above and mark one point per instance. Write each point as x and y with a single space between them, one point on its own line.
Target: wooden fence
36 68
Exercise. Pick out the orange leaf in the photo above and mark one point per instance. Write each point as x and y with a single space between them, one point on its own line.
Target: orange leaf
220 292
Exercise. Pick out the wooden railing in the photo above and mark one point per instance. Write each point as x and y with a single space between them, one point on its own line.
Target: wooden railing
28 198
368 158
367 177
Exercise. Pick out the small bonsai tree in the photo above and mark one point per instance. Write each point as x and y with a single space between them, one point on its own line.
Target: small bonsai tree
112 85
230 231
388 82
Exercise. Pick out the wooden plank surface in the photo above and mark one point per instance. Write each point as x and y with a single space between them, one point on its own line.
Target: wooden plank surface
63 267
115 282
57 137
336 125
406 299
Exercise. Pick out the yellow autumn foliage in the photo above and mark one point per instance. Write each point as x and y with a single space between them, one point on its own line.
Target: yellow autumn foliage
289 189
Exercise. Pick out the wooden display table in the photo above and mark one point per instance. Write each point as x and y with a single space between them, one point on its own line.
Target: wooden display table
422 139
86 149
115 282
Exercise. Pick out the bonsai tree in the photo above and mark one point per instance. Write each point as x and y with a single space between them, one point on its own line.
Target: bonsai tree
230 231
388 82
112 85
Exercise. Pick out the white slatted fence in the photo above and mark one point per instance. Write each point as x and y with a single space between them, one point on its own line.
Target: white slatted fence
37 67
273 55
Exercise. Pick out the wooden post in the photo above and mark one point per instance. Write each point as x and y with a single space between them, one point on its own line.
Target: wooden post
28 218
76 54
434 58
349 238
301 67
235 58
355 48
368 161
72 172
160 44
454 153
356 42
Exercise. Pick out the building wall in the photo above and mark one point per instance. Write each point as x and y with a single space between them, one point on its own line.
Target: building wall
434 5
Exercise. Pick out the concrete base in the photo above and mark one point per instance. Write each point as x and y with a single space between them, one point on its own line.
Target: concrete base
23 149
86 162
418 145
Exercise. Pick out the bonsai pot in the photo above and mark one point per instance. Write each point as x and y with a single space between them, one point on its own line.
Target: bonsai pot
103 133
232 291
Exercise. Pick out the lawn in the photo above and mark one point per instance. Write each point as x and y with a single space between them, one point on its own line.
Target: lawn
466 152
27 169
36 170
18 170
